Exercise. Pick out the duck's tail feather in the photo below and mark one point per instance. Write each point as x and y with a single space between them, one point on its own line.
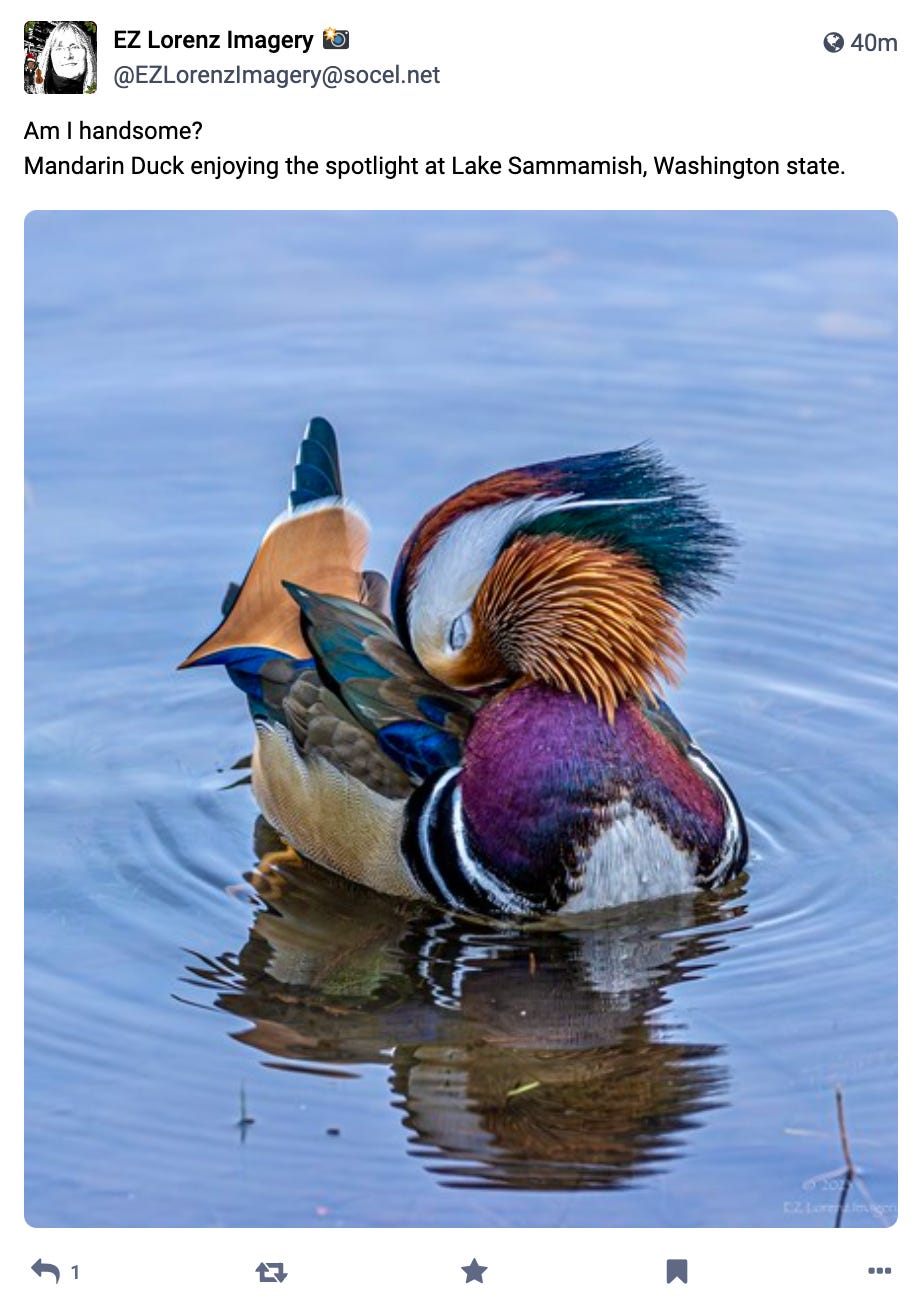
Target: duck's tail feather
319 542
316 471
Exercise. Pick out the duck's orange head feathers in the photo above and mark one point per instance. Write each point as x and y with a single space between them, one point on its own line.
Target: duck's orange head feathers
571 573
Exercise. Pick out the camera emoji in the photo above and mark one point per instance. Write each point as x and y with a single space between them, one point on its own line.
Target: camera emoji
335 39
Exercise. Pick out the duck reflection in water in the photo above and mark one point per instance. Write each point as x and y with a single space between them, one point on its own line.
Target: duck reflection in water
533 1057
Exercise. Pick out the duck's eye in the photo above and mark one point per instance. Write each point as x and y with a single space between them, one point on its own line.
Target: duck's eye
460 631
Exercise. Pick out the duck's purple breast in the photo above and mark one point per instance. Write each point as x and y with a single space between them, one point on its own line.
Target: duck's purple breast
545 773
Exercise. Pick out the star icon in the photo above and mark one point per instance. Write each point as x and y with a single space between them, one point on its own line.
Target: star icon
329 35
474 1271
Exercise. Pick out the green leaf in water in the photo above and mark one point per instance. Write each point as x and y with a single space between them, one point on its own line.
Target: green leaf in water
523 1087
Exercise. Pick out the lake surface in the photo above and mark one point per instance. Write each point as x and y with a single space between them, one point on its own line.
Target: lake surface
672 1064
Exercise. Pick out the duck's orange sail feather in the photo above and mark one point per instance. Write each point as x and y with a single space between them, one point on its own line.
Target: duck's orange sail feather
321 547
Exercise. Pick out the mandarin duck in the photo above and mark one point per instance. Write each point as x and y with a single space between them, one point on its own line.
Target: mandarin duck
494 744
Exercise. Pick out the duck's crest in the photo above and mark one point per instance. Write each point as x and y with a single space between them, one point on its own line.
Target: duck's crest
633 501
628 500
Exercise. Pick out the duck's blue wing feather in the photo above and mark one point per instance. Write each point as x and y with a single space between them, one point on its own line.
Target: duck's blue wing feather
416 721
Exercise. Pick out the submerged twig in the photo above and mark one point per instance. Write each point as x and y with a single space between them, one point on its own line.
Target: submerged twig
850 1170
844 1193
844 1138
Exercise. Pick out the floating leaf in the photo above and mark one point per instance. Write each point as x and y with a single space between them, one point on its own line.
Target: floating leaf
523 1087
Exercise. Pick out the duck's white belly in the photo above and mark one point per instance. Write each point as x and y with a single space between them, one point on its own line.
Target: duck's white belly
632 860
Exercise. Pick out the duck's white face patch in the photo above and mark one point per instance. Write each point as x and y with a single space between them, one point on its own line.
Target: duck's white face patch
455 568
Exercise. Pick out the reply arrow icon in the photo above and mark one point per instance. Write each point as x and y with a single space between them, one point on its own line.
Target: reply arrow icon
38 1268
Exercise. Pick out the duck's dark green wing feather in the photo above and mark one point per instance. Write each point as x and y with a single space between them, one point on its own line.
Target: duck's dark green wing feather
416 721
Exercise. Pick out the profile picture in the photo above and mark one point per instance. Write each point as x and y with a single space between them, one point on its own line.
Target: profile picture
60 57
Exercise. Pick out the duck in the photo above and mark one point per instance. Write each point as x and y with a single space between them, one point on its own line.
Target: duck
485 732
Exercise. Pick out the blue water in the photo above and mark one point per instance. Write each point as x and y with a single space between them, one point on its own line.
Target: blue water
668 1065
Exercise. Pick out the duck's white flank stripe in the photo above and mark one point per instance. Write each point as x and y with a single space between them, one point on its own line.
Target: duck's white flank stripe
424 836
502 895
732 840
